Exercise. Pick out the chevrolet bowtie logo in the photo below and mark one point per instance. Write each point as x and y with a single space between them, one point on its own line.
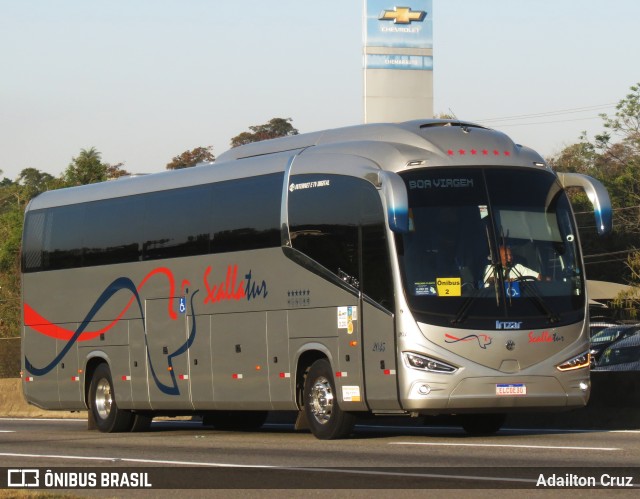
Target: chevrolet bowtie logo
402 15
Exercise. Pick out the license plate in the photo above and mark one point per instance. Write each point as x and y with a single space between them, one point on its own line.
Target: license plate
514 389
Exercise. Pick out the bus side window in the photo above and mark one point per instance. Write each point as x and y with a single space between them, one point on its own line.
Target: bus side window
323 223
341 226
33 243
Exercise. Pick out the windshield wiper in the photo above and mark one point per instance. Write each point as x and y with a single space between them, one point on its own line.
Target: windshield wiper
463 312
529 285
495 269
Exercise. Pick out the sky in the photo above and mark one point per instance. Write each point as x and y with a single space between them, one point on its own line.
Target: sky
144 80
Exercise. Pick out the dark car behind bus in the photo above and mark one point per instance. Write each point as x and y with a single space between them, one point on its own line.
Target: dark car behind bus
601 340
623 355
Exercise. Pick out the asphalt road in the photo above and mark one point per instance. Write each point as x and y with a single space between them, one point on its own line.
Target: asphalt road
186 455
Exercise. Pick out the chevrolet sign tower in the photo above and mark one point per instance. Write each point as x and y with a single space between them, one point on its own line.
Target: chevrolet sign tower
398 60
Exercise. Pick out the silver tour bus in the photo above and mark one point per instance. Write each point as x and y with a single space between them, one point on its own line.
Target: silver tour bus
423 268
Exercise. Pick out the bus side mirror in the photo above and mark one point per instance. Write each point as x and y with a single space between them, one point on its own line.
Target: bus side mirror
597 194
397 201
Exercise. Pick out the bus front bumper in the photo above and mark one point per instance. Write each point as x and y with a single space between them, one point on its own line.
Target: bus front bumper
498 393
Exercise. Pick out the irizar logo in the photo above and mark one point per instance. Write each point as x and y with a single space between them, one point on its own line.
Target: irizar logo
508 325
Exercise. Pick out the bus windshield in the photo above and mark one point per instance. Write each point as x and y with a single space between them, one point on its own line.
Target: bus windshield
490 245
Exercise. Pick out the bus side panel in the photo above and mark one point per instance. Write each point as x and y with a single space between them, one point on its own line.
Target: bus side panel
281 379
351 391
200 363
240 367
138 365
117 334
40 389
315 322
379 352
168 356
69 376
329 327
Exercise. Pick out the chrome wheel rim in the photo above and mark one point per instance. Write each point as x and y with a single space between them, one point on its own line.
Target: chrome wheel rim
321 400
103 399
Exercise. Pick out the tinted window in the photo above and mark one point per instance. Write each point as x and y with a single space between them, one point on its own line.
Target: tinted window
111 231
236 215
324 214
490 243
338 221
177 223
63 238
245 214
33 240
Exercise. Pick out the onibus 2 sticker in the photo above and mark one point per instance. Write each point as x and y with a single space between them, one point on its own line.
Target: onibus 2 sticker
449 286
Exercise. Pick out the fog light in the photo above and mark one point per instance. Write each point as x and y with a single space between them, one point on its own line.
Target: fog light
424 389
584 386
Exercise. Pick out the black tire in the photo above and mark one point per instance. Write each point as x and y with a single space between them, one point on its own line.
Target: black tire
327 421
109 418
235 420
141 422
482 424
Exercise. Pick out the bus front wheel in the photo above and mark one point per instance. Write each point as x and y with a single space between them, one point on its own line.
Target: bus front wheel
109 418
327 421
482 424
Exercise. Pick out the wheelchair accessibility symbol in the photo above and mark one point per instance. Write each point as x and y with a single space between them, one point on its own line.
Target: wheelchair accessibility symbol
512 289
182 307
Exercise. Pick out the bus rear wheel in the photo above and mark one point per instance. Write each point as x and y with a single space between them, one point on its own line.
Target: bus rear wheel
109 418
141 422
327 421
482 424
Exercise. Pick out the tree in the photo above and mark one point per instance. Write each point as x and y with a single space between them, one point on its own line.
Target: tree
191 158
87 168
34 182
626 122
613 157
13 199
276 127
628 302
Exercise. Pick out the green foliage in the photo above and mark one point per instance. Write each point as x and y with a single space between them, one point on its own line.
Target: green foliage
191 158
13 199
276 127
628 302
613 157
626 122
87 168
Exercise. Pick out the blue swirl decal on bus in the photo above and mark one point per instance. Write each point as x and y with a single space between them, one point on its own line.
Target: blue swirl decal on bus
230 289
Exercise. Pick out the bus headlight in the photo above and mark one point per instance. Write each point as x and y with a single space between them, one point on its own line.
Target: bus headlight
577 362
423 363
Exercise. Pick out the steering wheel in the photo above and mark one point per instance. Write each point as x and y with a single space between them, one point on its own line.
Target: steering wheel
526 278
